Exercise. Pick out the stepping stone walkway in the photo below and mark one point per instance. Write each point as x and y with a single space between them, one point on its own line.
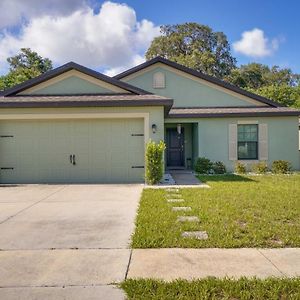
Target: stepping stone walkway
188 219
175 200
199 235
174 196
181 208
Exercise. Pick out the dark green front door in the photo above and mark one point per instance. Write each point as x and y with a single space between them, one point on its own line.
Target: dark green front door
175 148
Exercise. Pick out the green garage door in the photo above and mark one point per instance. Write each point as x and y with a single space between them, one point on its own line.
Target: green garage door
58 151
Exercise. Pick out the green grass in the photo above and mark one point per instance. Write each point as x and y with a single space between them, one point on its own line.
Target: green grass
237 211
212 288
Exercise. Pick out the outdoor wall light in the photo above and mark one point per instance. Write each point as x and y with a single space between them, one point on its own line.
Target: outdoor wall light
179 128
154 128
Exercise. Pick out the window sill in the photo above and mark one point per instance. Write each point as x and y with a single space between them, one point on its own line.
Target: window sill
248 160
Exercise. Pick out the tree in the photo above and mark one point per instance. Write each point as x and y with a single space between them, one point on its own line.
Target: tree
255 76
284 94
278 84
23 66
195 46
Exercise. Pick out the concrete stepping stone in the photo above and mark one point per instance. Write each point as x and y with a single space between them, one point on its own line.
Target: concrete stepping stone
188 219
175 200
174 195
199 235
181 208
174 190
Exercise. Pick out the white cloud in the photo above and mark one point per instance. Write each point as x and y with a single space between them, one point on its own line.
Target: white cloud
112 39
254 43
18 11
134 61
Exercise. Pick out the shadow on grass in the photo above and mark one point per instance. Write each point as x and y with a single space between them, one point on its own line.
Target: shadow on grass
224 178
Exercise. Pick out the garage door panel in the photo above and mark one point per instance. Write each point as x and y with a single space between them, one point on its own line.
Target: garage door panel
105 151
8 176
8 147
136 173
119 174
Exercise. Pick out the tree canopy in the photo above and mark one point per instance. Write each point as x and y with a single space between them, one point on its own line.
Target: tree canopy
255 76
196 46
283 94
278 84
25 65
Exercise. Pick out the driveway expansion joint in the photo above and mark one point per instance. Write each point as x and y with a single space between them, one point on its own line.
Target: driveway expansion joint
62 249
55 286
33 204
128 266
271 262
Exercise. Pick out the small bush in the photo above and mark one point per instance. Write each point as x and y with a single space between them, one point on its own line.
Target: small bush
281 166
260 168
240 168
154 162
219 167
203 165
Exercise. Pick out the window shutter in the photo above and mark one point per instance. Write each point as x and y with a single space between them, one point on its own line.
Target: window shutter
232 141
263 141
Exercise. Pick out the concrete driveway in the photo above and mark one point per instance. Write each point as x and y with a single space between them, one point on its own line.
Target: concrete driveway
65 241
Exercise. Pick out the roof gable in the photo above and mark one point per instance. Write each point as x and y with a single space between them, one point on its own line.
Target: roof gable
205 78
97 82
73 82
188 90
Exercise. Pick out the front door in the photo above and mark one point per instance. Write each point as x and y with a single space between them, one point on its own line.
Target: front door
175 148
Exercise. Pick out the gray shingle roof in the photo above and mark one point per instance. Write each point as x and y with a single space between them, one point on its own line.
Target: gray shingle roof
211 112
86 101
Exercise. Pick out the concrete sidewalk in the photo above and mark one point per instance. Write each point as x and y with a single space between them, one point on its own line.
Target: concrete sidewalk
170 264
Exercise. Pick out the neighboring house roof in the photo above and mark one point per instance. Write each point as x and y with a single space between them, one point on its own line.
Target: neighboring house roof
213 112
85 101
65 68
200 75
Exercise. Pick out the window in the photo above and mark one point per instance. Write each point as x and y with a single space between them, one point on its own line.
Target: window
159 80
248 141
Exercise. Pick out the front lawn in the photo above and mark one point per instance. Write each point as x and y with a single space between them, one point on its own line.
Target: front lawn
210 288
237 211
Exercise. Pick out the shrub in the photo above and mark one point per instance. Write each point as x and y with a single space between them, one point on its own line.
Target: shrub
240 168
219 167
154 161
281 166
260 168
203 165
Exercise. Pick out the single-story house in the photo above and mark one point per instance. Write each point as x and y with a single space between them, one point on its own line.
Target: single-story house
73 124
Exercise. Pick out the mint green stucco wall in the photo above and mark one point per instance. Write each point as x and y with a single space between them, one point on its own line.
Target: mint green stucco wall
72 85
185 91
213 138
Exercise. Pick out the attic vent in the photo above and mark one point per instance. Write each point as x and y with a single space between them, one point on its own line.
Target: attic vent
159 81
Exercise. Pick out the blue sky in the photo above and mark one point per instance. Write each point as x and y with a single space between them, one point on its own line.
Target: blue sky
278 19
113 36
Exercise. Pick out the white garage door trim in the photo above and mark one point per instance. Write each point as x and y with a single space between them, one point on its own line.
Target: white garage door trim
58 116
